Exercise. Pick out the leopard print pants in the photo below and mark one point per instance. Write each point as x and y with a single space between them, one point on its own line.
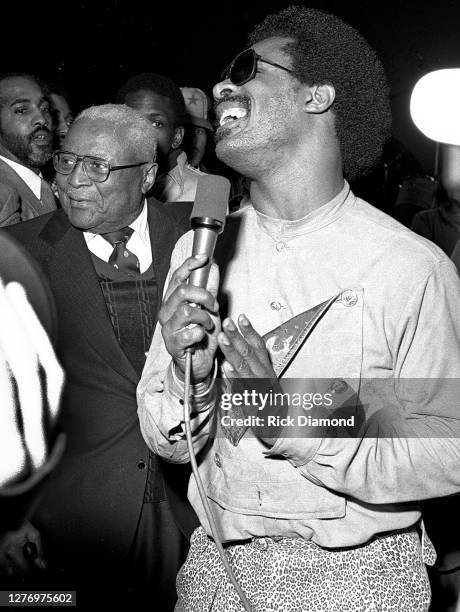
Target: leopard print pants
292 575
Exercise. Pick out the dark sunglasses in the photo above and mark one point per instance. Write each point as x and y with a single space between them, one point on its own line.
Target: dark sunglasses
244 67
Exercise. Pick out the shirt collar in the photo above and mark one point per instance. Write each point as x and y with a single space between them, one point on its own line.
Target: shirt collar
30 178
314 220
140 226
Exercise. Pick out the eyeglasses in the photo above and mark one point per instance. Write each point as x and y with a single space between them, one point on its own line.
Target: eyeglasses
244 67
96 169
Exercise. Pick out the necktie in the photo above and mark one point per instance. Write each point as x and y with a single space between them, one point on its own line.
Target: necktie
47 197
121 258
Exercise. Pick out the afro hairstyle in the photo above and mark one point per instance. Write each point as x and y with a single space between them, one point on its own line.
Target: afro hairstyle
326 50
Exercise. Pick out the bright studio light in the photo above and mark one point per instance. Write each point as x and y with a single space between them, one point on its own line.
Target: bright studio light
435 105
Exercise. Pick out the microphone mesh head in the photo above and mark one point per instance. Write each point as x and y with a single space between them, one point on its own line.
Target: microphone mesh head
211 198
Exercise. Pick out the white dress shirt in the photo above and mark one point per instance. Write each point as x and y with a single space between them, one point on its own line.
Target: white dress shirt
138 243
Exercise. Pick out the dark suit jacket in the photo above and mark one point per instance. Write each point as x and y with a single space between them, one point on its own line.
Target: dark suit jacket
17 202
94 497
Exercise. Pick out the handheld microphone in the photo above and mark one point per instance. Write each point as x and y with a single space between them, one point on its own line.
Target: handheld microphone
207 220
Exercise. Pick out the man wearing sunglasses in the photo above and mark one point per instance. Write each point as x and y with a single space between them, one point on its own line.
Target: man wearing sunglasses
317 514
107 519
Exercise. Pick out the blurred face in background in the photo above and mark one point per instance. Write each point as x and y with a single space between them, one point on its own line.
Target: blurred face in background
62 117
194 144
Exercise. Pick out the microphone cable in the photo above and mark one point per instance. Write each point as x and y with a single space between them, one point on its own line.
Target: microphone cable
199 482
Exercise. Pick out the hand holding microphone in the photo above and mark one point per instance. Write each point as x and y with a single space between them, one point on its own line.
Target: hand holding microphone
189 315
191 323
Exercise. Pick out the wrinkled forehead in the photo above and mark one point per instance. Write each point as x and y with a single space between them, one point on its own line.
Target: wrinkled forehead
98 138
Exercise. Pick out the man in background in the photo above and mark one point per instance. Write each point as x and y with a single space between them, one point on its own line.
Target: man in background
61 112
160 100
26 143
197 127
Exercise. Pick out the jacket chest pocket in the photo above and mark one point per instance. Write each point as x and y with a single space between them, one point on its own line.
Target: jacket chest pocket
270 487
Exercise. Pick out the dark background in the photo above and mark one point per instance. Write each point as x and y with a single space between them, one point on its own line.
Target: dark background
92 48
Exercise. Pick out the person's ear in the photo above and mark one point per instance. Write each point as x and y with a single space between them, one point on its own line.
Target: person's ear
178 137
319 98
149 177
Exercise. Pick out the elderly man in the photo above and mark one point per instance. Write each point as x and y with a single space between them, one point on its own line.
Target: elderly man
317 514
26 143
108 516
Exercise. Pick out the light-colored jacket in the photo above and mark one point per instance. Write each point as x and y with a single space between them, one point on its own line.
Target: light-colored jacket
393 336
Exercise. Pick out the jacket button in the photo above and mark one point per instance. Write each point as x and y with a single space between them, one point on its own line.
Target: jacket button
218 460
141 465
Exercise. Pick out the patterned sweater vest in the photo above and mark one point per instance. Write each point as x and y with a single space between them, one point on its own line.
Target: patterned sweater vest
132 307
